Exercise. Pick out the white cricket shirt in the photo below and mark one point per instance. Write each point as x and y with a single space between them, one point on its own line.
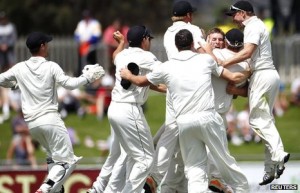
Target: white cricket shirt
255 32
38 79
145 60
222 99
188 78
169 37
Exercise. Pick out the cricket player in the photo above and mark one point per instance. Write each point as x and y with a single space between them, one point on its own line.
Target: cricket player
114 160
37 78
233 42
189 85
129 124
167 144
263 86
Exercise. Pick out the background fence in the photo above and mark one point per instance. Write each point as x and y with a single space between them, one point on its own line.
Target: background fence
63 50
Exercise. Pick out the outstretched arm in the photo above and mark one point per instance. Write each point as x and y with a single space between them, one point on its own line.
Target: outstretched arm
242 55
235 77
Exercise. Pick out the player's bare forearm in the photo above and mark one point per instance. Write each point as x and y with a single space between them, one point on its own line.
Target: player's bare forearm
159 88
240 91
239 77
242 55
137 80
235 77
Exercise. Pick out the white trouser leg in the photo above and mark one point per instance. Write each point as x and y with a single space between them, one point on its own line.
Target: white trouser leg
264 88
175 180
164 152
133 132
118 176
107 168
157 135
196 131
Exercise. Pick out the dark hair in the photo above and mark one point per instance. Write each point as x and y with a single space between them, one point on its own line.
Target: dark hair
184 40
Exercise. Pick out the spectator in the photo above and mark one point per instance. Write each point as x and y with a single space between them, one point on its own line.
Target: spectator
8 37
281 102
104 95
243 124
21 147
232 133
295 92
69 101
89 97
87 35
73 136
108 39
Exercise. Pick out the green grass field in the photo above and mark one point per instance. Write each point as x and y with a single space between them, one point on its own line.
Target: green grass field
288 126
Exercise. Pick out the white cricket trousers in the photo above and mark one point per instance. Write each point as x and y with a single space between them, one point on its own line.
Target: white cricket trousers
110 166
132 131
168 164
263 89
53 137
164 151
196 131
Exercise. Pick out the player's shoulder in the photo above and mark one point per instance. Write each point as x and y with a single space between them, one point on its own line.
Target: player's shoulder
206 57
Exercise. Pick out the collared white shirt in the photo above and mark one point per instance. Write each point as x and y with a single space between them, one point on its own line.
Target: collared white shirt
222 99
169 37
188 79
255 32
145 60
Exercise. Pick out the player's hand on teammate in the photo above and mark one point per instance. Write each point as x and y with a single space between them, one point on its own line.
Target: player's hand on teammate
220 62
118 36
93 72
125 73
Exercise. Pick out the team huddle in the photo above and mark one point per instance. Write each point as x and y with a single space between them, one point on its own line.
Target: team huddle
189 153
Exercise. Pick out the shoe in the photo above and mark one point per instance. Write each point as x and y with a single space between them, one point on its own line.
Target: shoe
268 178
280 169
39 191
91 190
216 185
150 185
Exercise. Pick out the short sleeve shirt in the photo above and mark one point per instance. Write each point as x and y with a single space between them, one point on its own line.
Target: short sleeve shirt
188 79
146 61
169 37
255 32
222 99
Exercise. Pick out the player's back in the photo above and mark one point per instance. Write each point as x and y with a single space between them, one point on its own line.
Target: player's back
145 61
169 37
